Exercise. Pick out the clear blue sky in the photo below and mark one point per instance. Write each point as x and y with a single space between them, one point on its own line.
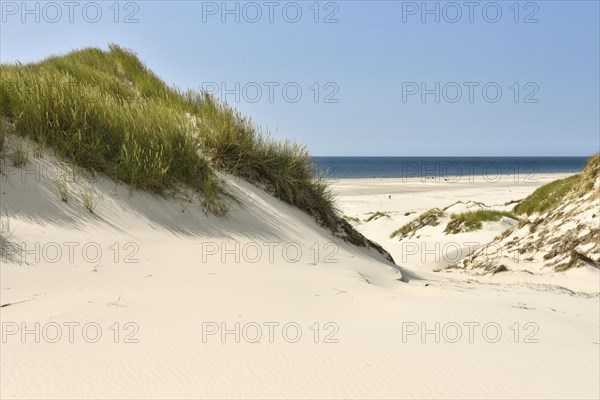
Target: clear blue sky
373 61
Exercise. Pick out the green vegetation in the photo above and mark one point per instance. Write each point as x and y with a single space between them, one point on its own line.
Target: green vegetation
406 214
4 130
546 197
106 112
470 202
589 177
428 218
471 221
376 215
286 169
63 190
19 156
87 198
352 219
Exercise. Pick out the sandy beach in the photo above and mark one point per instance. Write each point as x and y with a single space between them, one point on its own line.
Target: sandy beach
405 198
300 200
150 298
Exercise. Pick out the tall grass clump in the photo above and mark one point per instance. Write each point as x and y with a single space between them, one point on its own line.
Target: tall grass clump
285 169
106 112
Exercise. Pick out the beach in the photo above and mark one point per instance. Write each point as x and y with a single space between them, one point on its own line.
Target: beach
403 199
300 200
268 305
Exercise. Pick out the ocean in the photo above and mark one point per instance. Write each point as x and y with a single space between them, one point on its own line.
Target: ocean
444 167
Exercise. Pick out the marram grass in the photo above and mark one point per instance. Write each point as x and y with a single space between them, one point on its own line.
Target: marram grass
547 196
473 220
105 111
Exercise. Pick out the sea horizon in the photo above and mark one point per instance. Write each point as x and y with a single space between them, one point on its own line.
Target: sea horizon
355 167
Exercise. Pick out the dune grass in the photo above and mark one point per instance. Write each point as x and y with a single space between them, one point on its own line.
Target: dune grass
4 126
87 199
285 169
589 177
19 155
349 218
471 221
107 112
376 215
63 190
546 197
428 218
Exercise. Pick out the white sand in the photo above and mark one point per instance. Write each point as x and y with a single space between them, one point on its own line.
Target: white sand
171 297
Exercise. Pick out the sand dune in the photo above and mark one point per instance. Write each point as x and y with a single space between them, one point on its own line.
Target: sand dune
205 310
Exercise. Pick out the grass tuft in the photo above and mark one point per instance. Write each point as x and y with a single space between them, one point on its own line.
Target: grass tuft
471 221
87 198
63 190
428 218
546 197
285 169
352 219
376 215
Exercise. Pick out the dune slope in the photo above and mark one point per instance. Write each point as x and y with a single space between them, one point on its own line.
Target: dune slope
566 236
178 306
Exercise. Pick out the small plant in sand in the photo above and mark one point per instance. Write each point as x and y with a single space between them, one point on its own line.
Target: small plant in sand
63 190
4 225
87 198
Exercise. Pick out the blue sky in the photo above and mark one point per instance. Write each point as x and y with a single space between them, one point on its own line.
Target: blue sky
361 67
